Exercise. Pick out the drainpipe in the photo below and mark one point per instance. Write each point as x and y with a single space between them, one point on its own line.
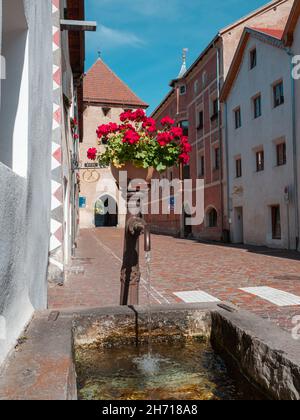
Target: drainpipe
227 164
220 139
291 55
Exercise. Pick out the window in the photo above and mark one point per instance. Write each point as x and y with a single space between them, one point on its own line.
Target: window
106 112
212 218
238 118
253 58
185 126
215 109
200 120
204 78
257 106
278 94
202 167
281 154
196 87
238 164
260 161
217 158
186 172
182 90
276 222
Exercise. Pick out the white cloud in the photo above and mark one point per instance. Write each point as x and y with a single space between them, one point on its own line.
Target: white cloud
108 38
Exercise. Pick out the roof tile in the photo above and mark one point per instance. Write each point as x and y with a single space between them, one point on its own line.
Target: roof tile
102 85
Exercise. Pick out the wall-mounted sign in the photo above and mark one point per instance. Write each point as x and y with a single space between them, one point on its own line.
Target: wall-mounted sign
82 202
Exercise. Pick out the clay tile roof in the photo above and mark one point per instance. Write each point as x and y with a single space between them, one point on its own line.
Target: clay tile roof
274 32
102 85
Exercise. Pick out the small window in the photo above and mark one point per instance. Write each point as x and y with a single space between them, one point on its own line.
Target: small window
257 106
215 109
204 78
281 154
276 222
186 172
106 112
185 126
202 167
182 90
260 161
238 164
278 94
253 58
217 158
213 218
238 118
200 120
196 87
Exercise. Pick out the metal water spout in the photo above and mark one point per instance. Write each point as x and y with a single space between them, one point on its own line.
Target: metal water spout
130 273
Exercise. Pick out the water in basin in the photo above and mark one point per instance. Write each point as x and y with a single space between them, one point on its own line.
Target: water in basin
181 371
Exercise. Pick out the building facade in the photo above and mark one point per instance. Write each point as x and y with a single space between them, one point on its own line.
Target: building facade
194 102
68 70
260 142
38 97
25 158
105 98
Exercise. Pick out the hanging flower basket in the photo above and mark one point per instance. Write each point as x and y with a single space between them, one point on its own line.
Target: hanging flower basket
133 172
138 147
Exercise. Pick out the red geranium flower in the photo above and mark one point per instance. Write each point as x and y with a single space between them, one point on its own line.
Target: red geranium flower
131 137
164 139
139 115
177 131
92 153
184 158
125 116
150 125
167 121
105 129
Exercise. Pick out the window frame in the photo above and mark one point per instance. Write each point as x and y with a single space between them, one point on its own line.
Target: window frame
200 125
254 101
253 54
281 156
260 166
278 101
237 118
202 166
217 158
182 90
276 223
238 167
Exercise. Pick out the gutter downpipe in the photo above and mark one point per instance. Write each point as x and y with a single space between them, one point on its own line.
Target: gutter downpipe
220 139
291 55
227 167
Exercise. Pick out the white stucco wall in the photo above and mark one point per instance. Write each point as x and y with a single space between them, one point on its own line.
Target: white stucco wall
257 192
25 202
296 51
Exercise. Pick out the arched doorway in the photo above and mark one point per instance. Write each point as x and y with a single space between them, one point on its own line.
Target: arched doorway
106 212
212 218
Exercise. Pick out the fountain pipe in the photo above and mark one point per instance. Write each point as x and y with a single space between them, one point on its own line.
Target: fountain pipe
130 272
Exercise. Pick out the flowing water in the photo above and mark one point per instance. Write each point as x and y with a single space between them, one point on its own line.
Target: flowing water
181 371
188 370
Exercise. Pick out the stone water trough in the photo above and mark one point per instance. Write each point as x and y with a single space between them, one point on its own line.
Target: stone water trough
263 358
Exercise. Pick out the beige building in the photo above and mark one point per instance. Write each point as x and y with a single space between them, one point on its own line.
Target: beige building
105 98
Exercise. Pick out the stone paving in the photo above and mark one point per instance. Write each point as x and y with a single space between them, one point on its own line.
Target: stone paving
177 266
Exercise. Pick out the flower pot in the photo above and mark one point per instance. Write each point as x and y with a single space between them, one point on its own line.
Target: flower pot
133 173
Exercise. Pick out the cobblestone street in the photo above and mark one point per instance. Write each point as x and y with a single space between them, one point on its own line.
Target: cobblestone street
180 266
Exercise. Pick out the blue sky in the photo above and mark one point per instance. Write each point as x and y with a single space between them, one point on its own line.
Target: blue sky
142 40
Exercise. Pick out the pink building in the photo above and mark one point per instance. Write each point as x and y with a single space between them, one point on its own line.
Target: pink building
194 102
